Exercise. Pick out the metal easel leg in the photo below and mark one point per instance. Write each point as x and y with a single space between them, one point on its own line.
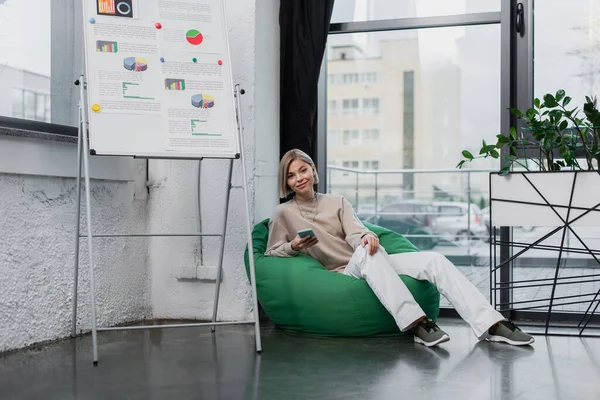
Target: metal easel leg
238 94
77 227
88 204
222 250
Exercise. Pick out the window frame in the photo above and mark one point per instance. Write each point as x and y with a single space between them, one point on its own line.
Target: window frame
38 126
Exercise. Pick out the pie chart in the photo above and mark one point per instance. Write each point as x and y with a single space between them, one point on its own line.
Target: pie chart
135 64
194 37
203 101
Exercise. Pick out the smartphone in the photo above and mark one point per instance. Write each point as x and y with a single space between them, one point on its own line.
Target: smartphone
306 232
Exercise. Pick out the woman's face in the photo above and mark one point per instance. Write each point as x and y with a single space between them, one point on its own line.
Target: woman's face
301 178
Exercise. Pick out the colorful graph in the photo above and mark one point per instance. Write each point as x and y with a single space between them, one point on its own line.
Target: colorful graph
106 47
174 84
203 101
133 90
106 6
116 8
198 128
135 64
194 37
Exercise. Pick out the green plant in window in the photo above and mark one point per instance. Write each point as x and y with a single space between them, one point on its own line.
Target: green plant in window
553 138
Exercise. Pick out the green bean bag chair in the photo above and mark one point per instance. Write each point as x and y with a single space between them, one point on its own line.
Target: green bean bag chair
299 295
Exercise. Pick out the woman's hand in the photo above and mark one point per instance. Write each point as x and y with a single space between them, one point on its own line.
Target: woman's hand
372 241
303 243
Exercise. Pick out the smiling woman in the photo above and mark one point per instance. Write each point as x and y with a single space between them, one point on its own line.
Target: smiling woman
342 244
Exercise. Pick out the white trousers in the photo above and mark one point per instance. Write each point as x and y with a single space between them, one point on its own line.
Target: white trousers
381 273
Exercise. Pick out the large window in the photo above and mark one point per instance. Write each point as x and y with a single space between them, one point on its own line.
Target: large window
411 100
445 73
39 59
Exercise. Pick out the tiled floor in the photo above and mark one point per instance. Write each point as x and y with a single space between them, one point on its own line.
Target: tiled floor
192 363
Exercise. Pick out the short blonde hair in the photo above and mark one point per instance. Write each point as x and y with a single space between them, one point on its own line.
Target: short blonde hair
284 166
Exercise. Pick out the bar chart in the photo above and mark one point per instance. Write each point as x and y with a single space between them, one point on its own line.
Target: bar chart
106 47
174 84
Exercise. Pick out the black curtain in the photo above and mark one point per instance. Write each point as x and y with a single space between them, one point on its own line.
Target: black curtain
304 26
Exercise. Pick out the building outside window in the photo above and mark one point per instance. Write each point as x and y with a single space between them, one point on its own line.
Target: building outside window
36 74
371 165
353 78
369 77
349 78
351 137
350 106
332 107
370 106
31 105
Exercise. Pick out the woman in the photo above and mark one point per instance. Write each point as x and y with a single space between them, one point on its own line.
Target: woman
344 245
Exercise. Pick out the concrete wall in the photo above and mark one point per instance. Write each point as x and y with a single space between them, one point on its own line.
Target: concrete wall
37 228
138 278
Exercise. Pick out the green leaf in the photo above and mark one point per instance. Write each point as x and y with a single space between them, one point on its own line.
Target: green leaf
487 148
460 164
566 101
505 170
516 112
560 95
494 154
502 140
573 112
513 132
536 102
539 135
467 154
556 115
531 113
563 125
550 101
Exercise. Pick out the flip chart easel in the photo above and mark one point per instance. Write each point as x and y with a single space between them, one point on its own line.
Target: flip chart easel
158 85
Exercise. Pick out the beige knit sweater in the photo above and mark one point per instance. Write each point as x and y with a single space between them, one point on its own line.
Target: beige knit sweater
339 231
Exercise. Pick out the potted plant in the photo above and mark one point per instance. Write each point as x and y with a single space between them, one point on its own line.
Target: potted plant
550 178
553 136
543 175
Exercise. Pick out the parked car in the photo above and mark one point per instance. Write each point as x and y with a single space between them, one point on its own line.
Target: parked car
366 210
485 217
452 220
410 219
